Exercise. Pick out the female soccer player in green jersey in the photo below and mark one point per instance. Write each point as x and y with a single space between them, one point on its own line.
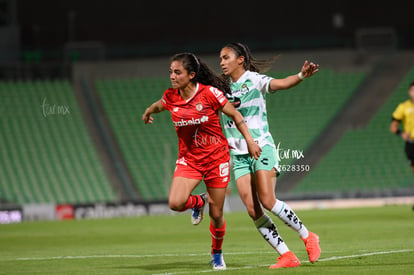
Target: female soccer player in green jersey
256 179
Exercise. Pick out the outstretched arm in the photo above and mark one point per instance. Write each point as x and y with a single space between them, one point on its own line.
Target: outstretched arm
308 69
254 148
156 107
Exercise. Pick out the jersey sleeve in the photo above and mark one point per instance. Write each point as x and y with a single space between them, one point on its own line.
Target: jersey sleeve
399 112
263 83
216 97
165 100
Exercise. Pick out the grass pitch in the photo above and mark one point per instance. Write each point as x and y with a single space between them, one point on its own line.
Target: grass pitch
353 241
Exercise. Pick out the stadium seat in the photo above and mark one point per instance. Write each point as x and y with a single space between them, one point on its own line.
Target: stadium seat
296 116
47 152
150 151
368 159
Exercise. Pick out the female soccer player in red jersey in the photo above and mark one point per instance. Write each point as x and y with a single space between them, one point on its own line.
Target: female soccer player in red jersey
195 99
256 179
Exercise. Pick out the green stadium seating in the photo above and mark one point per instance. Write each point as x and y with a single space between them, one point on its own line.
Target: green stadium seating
368 159
296 116
150 151
47 154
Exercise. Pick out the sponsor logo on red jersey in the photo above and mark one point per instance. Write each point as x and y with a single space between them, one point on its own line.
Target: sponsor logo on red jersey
192 121
224 169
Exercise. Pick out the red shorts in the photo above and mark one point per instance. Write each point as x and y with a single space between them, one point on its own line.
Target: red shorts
217 176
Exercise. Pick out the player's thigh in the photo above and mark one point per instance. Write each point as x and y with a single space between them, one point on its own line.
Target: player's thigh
242 172
180 191
265 186
248 195
241 165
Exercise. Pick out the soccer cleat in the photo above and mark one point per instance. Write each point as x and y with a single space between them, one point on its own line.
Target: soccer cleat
287 259
217 261
197 213
312 247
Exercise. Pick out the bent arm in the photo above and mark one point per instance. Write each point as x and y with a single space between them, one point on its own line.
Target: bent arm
394 126
156 107
254 148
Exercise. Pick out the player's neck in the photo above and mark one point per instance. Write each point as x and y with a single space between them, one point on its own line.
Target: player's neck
237 74
188 91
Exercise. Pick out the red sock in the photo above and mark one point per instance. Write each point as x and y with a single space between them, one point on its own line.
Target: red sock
217 236
194 201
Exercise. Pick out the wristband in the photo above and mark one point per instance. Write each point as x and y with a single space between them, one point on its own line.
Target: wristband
300 75
398 132
240 123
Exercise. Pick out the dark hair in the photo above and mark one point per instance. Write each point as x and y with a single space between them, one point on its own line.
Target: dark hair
251 63
203 73
411 84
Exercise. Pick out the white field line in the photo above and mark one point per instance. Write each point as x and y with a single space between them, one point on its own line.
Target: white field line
135 256
365 255
333 258
321 260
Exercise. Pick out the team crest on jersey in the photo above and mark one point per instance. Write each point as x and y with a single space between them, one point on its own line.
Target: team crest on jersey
199 107
244 89
241 91
175 109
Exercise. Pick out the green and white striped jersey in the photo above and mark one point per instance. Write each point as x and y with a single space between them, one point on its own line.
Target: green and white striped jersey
249 97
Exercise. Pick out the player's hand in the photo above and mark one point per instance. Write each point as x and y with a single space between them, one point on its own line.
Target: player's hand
406 136
254 149
146 117
309 69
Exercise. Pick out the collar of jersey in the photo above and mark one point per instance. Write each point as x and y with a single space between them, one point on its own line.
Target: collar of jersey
242 78
196 91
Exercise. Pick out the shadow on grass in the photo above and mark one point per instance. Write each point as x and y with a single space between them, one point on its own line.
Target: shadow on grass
177 265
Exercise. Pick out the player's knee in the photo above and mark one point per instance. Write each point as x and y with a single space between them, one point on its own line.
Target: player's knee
176 205
268 203
252 213
216 215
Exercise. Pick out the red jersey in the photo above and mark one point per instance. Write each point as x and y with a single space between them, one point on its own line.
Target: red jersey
201 140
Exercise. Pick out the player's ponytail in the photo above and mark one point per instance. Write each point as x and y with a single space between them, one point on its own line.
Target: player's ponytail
203 73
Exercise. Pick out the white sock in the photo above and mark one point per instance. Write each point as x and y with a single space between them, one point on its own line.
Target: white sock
288 216
268 230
